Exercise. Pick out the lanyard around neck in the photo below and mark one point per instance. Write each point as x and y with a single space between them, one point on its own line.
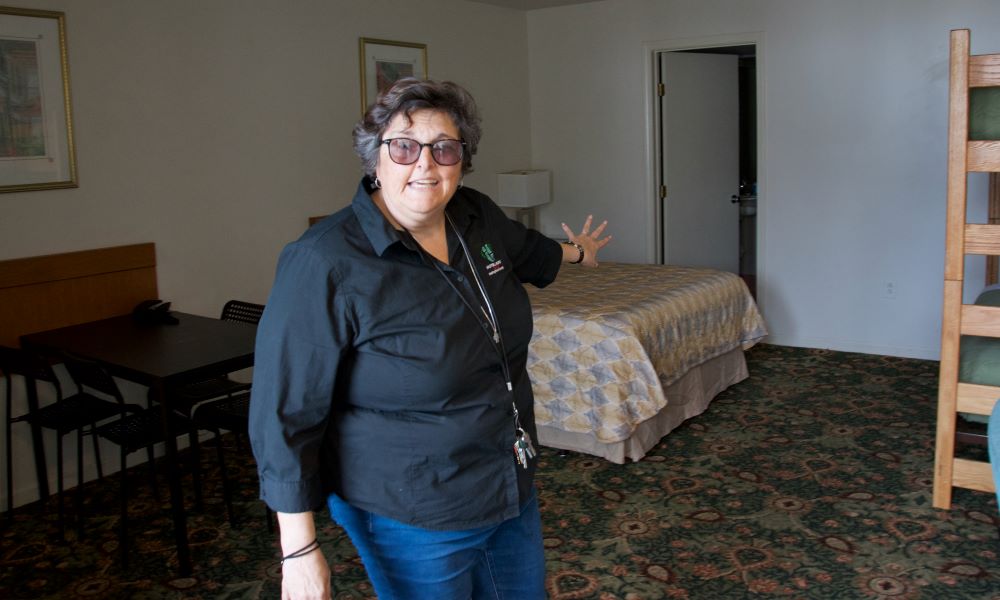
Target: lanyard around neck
489 321
524 450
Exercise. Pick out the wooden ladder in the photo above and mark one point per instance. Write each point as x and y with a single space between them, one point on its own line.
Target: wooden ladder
962 238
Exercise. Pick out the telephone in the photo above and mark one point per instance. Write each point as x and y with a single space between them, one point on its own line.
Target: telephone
153 312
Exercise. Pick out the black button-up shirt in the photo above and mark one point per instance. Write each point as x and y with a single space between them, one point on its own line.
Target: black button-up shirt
376 376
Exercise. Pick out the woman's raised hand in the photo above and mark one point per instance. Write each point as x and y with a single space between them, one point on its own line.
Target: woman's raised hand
591 241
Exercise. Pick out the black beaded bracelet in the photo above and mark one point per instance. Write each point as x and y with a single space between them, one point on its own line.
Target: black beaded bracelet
313 545
579 249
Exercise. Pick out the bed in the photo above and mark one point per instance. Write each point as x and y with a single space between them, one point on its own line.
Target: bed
978 364
623 354
973 145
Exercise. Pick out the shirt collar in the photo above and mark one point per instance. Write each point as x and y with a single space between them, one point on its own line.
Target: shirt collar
377 228
460 210
381 234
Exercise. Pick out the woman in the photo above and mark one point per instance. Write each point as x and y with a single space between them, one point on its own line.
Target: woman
390 378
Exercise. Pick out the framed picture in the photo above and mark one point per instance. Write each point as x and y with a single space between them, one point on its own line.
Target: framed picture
36 127
383 62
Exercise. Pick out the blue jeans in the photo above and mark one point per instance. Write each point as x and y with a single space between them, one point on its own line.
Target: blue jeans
500 562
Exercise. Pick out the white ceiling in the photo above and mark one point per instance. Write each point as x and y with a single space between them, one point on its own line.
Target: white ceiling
532 4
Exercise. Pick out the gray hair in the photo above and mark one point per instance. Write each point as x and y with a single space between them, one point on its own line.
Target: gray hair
408 95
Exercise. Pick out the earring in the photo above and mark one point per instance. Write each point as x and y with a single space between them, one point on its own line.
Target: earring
461 182
376 183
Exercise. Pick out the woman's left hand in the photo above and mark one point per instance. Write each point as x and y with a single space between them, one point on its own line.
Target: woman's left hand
591 241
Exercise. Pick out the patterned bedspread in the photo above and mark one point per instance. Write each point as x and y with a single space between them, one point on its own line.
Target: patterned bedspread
608 340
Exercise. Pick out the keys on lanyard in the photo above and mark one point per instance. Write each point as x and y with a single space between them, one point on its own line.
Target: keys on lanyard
524 450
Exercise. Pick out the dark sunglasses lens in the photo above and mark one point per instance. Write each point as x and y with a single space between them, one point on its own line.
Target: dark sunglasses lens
447 152
403 151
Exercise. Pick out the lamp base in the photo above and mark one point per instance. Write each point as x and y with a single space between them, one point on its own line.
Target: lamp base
527 217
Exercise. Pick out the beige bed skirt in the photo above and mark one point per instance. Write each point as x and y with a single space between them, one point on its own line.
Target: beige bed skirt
687 397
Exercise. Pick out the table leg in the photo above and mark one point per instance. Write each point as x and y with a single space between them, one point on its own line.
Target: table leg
37 441
174 478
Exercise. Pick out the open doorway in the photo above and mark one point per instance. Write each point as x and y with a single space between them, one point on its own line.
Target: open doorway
708 167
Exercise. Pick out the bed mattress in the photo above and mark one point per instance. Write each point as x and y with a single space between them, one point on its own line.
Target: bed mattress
612 346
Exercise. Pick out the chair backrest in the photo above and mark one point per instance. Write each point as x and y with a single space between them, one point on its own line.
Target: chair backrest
15 361
245 312
87 373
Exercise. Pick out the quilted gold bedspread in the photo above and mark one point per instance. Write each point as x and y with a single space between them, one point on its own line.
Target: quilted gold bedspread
607 341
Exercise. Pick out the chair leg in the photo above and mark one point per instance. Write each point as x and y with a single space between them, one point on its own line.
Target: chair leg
151 459
196 468
227 494
97 451
10 463
79 484
123 516
61 515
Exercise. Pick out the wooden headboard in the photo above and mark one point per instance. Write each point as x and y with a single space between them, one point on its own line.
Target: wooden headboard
56 290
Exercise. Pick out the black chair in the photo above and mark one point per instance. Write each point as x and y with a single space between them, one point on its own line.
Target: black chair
79 412
136 428
185 398
231 412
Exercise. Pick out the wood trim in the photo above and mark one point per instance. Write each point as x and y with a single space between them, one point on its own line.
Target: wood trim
944 448
962 238
973 475
984 156
984 70
980 320
982 239
56 290
977 399
71 265
958 130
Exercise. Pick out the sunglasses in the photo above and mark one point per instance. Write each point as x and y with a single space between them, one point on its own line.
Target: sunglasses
404 151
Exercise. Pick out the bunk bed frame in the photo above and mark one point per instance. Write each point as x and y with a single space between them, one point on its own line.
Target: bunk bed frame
961 239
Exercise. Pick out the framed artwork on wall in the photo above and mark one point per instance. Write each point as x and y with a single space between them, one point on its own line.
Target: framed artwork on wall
383 62
36 126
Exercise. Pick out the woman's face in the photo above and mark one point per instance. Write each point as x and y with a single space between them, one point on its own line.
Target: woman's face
418 193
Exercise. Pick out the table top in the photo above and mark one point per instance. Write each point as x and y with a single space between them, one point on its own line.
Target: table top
148 353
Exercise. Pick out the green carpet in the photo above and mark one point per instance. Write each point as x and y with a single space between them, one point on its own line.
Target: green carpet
812 479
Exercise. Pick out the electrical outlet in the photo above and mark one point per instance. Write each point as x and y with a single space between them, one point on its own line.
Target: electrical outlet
889 290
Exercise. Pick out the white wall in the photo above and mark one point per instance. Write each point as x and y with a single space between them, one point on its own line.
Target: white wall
853 145
215 128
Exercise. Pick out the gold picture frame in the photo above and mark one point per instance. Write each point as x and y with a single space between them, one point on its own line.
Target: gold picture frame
384 61
36 128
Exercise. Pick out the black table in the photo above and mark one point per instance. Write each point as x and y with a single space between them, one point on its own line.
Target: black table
161 357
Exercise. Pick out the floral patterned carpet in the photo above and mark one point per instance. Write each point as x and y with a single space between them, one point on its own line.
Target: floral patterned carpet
812 479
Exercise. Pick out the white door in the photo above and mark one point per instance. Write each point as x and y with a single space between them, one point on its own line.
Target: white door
700 119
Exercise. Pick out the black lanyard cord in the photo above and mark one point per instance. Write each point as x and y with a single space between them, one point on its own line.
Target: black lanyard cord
491 322
494 321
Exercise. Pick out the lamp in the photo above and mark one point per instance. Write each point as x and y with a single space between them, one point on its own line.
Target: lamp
524 190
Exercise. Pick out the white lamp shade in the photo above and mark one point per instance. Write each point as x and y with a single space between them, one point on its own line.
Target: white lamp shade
523 189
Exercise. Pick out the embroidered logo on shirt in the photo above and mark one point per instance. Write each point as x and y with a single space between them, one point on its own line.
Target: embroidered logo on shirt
494 266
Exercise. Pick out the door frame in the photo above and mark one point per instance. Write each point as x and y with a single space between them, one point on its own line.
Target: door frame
653 127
